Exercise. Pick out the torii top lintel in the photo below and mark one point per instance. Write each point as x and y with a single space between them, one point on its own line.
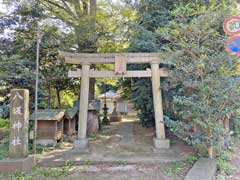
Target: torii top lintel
109 58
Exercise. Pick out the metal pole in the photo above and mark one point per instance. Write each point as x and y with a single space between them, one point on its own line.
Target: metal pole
36 89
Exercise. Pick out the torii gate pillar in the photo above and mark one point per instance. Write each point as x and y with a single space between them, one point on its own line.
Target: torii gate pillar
81 143
159 141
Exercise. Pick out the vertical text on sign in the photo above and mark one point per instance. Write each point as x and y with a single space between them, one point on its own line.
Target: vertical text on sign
19 114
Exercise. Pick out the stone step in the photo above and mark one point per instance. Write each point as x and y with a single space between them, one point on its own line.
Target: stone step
146 158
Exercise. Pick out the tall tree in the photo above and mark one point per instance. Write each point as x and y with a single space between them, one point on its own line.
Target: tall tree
81 17
18 54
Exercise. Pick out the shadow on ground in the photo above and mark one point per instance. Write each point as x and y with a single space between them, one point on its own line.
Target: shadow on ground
121 142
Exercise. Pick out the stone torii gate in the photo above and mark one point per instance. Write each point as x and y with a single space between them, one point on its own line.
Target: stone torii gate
120 60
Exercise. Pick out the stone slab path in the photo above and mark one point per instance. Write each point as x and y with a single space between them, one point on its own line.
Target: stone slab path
126 132
203 169
120 172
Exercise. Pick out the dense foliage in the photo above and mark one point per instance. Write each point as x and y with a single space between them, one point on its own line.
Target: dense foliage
205 86
18 61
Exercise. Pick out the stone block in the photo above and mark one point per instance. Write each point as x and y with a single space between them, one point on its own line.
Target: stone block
115 118
19 119
17 165
79 151
46 142
80 144
161 143
204 168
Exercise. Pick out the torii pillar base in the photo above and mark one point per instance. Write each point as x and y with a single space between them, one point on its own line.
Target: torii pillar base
161 143
80 146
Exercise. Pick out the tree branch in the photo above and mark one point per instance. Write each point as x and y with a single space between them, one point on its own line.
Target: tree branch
68 22
93 6
69 9
85 7
60 7
77 7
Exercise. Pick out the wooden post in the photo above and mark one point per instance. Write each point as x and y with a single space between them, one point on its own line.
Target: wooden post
19 118
82 142
159 141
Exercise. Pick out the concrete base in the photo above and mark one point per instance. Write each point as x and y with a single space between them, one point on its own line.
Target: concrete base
161 143
17 165
80 144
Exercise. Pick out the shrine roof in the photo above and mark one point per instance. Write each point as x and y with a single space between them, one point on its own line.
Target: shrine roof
49 114
109 95
71 112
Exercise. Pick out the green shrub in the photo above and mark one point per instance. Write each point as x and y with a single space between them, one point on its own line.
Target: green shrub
3 150
5 112
236 123
4 123
54 172
223 163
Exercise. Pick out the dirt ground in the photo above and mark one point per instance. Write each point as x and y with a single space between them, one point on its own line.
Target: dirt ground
122 151
126 172
127 151
158 171
125 141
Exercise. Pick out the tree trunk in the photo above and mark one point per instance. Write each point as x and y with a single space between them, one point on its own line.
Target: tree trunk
210 152
93 125
92 88
49 97
59 98
87 44
93 6
210 147
85 7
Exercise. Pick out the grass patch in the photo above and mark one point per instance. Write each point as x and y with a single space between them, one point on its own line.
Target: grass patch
3 150
92 136
177 168
53 172
4 123
224 165
41 173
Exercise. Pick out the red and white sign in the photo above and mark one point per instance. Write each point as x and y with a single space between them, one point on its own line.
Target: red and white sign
231 25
